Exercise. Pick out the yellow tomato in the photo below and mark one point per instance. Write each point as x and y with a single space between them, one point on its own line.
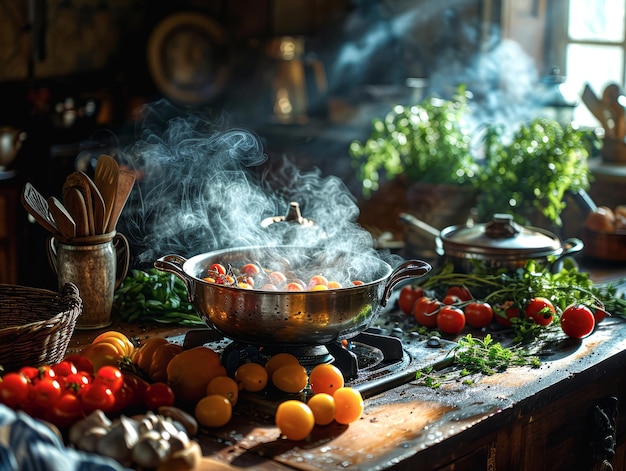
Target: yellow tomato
290 378
278 360
119 345
129 347
326 378
101 354
251 377
226 386
213 410
294 419
348 405
323 407
190 372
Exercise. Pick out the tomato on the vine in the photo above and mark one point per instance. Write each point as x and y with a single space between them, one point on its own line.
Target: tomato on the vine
425 309
407 297
577 321
157 395
541 310
450 320
450 299
460 292
506 312
599 314
478 314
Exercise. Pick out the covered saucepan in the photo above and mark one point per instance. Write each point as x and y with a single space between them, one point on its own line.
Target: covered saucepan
300 318
498 244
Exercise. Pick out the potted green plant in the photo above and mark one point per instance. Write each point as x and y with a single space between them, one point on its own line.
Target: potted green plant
418 159
528 173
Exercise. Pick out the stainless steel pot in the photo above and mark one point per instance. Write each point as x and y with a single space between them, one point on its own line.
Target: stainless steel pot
498 244
291 318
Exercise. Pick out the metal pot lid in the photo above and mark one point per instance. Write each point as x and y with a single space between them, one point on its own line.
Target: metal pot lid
499 238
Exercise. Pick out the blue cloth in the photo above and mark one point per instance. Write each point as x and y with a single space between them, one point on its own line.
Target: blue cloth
27 444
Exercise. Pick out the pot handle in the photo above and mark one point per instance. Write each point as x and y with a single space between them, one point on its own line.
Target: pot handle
174 264
408 269
571 246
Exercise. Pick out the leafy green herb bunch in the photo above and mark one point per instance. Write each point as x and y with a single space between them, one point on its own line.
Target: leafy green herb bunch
530 172
427 142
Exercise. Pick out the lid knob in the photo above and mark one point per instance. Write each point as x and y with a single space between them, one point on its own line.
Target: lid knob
502 226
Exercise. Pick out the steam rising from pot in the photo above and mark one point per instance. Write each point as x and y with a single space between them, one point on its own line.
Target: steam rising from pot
204 187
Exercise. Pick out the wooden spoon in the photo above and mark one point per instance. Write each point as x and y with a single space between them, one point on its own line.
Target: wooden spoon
37 207
610 97
124 186
598 109
63 219
74 201
106 177
97 201
76 180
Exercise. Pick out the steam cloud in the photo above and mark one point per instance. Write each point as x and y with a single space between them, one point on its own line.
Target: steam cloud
203 187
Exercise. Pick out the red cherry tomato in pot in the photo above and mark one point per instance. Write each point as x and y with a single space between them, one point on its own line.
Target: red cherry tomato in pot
407 297
425 311
541 310
450 320
157 395
460 292
577 321
478 314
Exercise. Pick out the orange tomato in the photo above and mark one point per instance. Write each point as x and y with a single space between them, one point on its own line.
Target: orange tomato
326 378
251 377
213 410
323 407
190 372
127 346
349 405
290 378
225 386
294 419
278 360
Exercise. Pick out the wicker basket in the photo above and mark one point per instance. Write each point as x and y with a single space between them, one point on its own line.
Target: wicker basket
37 324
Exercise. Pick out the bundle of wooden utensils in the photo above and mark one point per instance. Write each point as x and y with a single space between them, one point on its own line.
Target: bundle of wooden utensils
89 207
608 109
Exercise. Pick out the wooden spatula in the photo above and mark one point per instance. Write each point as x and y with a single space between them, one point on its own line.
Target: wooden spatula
76 180
62 218
37 207
125 184
74 202
105 177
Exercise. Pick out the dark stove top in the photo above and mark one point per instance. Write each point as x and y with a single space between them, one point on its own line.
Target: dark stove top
384 356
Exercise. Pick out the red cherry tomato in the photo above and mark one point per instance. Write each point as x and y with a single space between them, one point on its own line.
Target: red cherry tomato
65 368
505 313
14 389
218 268
75 382
82 363
407 297
450 320
577 321
45 392
110 376
460 292
131 395
478 314
65 411
599 314
424 311
541 310
97 396
157 395
450 299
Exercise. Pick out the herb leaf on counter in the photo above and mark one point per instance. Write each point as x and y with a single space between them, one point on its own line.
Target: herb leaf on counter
154 296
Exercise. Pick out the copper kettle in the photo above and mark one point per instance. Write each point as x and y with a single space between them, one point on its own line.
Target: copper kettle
11 140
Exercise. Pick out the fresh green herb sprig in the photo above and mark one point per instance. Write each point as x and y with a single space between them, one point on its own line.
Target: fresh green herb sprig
155 296
474 357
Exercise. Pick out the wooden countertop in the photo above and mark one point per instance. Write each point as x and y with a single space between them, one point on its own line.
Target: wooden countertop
498 421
